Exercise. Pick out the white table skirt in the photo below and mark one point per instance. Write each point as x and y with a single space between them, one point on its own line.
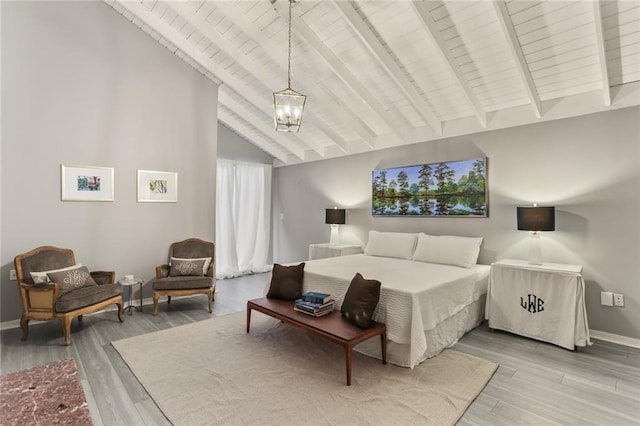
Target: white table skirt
543 304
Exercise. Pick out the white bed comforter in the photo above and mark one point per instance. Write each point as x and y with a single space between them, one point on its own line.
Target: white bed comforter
415 296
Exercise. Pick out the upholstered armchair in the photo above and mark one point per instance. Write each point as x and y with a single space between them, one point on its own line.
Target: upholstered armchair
52 286
190 271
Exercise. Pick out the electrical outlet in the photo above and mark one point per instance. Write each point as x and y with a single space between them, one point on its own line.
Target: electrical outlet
606 298
12 275
618 299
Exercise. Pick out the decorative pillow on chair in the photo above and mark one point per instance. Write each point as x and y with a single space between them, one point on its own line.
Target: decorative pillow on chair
72 279
43 277
205 266
188 267
286 282
361 300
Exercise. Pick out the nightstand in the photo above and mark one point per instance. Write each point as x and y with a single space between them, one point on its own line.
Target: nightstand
320 251
543 302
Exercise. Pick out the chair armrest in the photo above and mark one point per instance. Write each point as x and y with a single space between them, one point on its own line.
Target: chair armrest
211 271
41 287
162 271
38 302
103 277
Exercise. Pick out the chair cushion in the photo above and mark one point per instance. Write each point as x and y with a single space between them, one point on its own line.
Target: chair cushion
286 282
72 279
361 300
182 283
87 296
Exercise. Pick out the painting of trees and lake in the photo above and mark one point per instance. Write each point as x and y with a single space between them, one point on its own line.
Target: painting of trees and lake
454 188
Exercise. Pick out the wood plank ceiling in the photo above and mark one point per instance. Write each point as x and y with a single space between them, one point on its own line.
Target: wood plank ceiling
384 73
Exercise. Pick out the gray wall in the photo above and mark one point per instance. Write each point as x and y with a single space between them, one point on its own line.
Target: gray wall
588 167
81 85
232 146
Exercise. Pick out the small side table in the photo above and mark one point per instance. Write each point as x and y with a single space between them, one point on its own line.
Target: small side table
543 302
320 251
130 284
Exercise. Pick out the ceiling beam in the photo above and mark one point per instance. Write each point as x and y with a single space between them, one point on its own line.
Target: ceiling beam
200 24
333 135
354 121
602 52
386 61
430 28
319 91
514 45
389 115
251 135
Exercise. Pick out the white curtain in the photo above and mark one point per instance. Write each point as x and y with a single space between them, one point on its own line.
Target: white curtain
243 207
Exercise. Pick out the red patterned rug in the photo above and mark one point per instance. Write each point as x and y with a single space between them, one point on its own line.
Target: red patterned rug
45 395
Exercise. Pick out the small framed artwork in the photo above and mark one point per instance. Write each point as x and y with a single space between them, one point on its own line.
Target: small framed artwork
86 183
157 187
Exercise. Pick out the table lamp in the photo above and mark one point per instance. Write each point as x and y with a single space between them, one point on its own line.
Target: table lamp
335 217
535 219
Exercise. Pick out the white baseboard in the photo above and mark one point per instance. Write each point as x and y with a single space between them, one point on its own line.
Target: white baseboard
615 338
14 324
595 334
6 325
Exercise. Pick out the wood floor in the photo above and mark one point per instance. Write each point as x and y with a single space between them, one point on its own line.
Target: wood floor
536 383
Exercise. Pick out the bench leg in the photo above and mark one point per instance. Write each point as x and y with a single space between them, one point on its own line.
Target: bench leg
383 345
248 318
347 354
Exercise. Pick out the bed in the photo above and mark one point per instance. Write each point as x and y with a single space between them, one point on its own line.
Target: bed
432 291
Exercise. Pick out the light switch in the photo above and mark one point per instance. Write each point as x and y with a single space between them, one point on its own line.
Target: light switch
606 298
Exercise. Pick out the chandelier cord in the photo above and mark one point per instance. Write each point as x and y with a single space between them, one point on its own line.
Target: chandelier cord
289 57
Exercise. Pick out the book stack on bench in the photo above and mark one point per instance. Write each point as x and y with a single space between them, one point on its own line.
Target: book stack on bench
315 304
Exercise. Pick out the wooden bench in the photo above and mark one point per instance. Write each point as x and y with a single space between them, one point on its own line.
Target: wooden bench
332 327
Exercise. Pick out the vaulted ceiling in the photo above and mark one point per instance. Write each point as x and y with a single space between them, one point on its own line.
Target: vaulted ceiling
384 73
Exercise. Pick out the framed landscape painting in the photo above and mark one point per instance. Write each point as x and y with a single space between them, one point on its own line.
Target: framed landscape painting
448 189
157 187
86 183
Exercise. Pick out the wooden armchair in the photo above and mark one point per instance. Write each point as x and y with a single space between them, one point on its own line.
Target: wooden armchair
190 271
74 292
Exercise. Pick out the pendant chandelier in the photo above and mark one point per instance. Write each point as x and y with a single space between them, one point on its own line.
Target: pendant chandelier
288 104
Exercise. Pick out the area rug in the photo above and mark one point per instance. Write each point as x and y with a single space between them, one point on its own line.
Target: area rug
50 394
213 372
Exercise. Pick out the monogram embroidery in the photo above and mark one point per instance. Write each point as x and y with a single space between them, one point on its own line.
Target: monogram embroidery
76 278
532 304
187 268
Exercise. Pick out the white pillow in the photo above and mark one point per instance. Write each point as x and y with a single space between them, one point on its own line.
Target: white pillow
448 250
41 277
205 266
390 244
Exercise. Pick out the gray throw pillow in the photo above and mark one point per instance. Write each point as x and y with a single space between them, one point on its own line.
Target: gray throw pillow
185 267
286 282
361 300
72 279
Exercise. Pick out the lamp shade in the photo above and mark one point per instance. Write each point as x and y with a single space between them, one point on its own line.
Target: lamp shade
335 216
536 218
